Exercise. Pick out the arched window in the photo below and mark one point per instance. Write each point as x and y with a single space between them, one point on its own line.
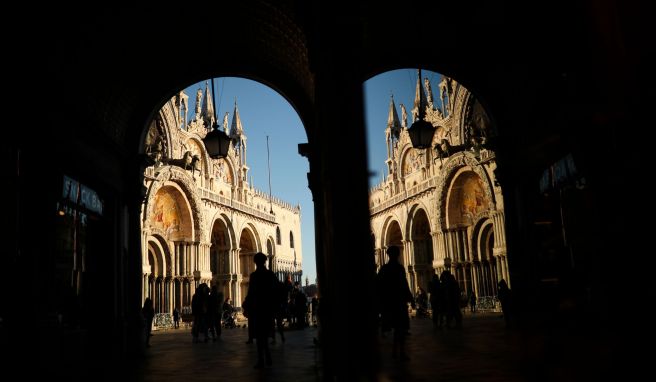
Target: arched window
291 239
278 239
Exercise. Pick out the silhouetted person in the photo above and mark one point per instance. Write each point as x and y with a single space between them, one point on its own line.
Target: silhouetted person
176 318
505 298
227 305
472 302
281 311
214 307
251 333
315 306
436 301
289 306
422 303
148 312
199 311
393 296
300 306
228 314
260 305
451 291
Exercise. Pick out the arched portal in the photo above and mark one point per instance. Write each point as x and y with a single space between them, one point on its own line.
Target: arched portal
220 248
485 263
271 255
394 237
422 249
466 199
247 248
155 276
466 203
169 221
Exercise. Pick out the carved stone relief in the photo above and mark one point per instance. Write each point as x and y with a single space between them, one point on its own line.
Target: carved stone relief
446 174
186 183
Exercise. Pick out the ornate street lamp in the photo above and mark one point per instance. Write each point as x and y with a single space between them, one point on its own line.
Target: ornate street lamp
217 142
421 132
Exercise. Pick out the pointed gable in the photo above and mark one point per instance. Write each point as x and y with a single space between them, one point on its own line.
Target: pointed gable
393 119
207 109
236 127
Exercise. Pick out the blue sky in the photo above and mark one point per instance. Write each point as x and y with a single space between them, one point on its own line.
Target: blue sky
401 84
264 113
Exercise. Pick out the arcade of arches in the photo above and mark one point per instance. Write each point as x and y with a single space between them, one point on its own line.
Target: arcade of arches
201 220
444 209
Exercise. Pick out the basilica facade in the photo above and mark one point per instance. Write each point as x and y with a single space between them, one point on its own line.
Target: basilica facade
442 206
201 220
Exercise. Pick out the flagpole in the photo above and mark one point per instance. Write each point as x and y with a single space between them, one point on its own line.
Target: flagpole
269 167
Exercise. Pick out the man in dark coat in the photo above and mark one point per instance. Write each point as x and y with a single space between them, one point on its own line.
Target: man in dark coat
393 296
260 306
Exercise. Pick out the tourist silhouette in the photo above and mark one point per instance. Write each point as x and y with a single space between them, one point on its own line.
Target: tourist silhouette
280 312
436 301
199 311
176 318
505 298
472 302
451 293
148 313
393 296
260 306
214 311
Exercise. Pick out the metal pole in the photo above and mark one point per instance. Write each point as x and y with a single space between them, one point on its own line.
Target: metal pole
269 167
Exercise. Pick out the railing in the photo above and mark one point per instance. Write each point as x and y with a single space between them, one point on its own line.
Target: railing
276 201
150 172
217 198
163 320
418 189
489 303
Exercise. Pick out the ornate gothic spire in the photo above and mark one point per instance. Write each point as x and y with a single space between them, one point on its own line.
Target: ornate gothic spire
207 110
393 119
236 129
238 137
420 98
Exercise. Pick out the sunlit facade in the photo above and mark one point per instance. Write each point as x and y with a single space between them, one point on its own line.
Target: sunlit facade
201 220
443 206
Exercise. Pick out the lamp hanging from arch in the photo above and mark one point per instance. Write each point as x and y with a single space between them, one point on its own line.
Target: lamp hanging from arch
421 132
217 141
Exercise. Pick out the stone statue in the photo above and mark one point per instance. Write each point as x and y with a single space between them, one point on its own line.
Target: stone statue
429 92
199 96
444 93
443 149
225 122
404 116
187 162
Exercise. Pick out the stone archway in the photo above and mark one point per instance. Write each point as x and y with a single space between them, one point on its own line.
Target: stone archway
394 236
221 247
467 200
422 245
484 277
169 219
247 248
154 278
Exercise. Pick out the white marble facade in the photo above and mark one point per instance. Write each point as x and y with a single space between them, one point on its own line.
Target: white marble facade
202 221
442 206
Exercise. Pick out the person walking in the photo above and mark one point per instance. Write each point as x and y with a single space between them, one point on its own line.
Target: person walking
214 312
505 298
176 318
436 301
472 302
148 312
199 311
260 305
393 296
